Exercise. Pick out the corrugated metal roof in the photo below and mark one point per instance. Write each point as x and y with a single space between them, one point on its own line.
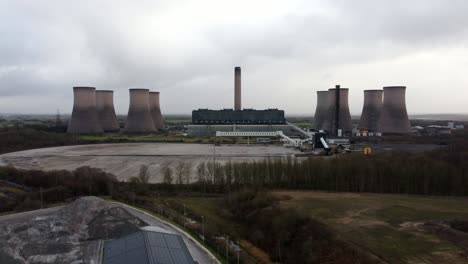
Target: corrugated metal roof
147 247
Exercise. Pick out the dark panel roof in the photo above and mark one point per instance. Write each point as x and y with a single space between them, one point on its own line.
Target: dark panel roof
147 247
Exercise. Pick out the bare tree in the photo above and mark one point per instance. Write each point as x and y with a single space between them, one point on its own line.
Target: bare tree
168 175
144 175
201 172
182 171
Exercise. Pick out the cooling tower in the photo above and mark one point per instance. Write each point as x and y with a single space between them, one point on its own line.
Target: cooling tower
371 110
237 89
84 118
344 116
394 117
139 118
321 109
106 111
156 110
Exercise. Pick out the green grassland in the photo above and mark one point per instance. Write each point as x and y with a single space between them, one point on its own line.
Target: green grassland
385 224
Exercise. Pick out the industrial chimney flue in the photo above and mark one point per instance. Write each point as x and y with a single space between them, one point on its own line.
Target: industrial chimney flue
340 119
237 89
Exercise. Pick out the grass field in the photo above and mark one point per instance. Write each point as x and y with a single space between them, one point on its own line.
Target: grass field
384 224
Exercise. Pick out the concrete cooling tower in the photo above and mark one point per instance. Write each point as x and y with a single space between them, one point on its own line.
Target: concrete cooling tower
321 109
394 117
106 111
344 116
371 110
139 118
84 118
156 110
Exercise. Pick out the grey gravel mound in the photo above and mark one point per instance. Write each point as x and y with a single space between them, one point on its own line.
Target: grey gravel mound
71 234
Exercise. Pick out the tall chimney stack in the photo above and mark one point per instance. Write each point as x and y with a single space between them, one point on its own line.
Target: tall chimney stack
237 88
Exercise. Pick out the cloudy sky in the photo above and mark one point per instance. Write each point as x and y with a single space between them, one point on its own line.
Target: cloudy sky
187 50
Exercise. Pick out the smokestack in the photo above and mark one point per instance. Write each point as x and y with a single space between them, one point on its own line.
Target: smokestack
340 119
321 109
371 110
84 119
394 117
106 111
156 110
139 115
237 89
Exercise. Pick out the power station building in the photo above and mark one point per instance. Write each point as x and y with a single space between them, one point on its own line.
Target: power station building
321 111
139 118
84 118
155 109
106 111
338 115
206 122
245 116
394 117
371 110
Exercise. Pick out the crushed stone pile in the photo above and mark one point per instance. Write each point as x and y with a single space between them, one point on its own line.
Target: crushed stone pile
71 234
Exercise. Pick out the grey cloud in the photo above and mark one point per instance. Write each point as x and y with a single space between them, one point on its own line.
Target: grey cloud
49 46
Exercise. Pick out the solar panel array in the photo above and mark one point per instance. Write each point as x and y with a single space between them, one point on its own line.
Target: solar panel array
147 247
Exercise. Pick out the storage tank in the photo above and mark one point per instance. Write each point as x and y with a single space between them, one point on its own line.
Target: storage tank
139 118
321 110
84 118
106 111
371 110
394 117
344 116
156 110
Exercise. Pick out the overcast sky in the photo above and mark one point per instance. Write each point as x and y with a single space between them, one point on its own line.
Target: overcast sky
187 50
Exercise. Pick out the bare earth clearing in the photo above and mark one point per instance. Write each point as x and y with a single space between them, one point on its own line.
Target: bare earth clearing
395 228
124 160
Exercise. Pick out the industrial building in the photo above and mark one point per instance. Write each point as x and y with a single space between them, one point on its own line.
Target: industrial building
394 116
321 110
84 118
371 110
338 115
206 122
155 109
147 247
106 111
245 116
139 118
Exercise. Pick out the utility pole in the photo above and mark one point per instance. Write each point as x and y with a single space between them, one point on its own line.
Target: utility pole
214 160
42 201
133 194
227 249
185 218
203 229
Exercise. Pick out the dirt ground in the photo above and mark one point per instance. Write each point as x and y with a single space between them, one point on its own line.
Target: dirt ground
124 160
395 228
